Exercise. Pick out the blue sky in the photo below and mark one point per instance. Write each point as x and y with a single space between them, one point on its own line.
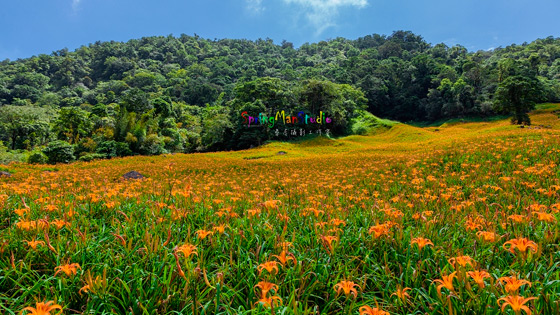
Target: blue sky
32 27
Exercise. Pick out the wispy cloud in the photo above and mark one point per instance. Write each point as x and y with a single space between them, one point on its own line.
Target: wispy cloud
322 14
254 6
75 4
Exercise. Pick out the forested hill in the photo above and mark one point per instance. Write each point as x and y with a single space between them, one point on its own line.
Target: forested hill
161 94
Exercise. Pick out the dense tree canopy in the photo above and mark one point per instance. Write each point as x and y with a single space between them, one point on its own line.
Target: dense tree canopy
184 94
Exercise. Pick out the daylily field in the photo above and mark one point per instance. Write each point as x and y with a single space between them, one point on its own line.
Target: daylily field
458 219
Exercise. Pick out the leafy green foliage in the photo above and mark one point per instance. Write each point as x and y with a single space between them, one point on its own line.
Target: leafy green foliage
519 91
22 127
37 158
59 151
186 93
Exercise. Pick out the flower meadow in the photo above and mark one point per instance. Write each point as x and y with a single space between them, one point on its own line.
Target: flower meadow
460 219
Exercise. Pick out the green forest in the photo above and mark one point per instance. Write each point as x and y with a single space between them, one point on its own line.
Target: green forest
159 95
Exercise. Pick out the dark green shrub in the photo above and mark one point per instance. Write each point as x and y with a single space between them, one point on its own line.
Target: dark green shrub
92 156
113 148
59 152
153 145
37 158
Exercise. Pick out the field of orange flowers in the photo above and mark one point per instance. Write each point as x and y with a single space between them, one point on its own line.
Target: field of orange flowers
461 219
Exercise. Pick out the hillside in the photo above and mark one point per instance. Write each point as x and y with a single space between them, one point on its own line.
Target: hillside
158 95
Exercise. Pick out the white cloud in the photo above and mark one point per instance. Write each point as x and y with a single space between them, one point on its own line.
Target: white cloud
322 13
255 6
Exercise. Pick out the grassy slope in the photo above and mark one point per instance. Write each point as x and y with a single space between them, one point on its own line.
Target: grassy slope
401 138
339 176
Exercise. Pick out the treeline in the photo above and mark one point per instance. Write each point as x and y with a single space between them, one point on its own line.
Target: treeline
185 94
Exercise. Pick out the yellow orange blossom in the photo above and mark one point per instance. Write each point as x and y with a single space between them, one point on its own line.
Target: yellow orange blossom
517 303
545 217
21 211
59 224
321 224
202 234
401 293
266 287
270 266
284 257
462 261
478 277
337 222
517 218
271 204
368 310
379 230
187 250
33 243
42 308
86 288
348 287
421 242
487 236
445 282
68 269
521 244
512 284
270 301
328 241
472 226
220 228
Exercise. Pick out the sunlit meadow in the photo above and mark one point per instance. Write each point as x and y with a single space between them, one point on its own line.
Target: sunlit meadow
459 219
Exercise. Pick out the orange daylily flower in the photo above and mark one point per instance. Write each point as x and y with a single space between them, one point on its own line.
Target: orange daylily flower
270 266
202 234
271 204
220 228
86 288
401 293
270 301
487 236
68 269
379 230
513 284
348 287
328 241
42 308
545 217
284 257
462 261
421 242
445 282
368 310
517 218
517 303
59 224
187 250
478 277
522 244
21 212
34 243
266 287
337 222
